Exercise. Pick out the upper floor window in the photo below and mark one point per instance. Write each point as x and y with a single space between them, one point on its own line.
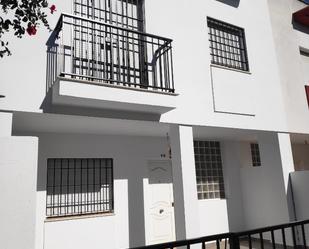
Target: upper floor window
79 186
123 13
209 173
227 45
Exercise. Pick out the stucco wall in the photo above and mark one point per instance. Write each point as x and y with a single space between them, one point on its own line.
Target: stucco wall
5 124
188 29
288 40
126 227
255 196
301 156
264 196
186 24
18 165
223 215
305 66
300 184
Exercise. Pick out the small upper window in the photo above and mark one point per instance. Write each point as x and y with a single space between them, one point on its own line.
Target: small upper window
255 153
227 45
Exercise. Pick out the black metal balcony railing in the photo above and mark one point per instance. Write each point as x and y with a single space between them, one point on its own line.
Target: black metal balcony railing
85 49
285 236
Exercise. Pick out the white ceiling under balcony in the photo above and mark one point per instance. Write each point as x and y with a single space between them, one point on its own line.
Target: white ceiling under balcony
26 123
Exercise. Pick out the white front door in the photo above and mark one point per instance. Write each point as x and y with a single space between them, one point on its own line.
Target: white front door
159 203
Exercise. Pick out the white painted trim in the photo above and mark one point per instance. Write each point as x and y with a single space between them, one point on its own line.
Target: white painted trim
230 68
78 217
114 86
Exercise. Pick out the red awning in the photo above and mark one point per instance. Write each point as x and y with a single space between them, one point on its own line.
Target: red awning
302 16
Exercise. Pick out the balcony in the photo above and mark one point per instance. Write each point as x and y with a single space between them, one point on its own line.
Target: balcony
109 67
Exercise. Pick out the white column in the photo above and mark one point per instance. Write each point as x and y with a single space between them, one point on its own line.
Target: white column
18 165
287 164
5 124
286 154
184 182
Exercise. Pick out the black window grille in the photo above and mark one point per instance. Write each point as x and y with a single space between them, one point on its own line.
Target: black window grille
255 154
209 173
123 13
79 186
227 45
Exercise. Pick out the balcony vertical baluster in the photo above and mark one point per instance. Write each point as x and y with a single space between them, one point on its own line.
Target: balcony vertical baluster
172 68
82 48
72 45
128 56
88 50
160 65
165 68
168 68
104 54
133 55
110 5
62 69
123 57
118 57
153 66
97 51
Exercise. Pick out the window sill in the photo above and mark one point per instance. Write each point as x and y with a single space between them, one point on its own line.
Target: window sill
78 217
214 199
229 68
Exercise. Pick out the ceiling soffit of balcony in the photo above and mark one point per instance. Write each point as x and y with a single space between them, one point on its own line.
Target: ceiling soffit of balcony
110 98
302 16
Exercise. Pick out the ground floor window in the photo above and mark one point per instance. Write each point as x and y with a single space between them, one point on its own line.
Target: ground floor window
79 186
209 174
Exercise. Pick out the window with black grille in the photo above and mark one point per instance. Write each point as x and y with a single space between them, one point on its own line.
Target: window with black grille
227 45
255 154
123 13
209 174
79 186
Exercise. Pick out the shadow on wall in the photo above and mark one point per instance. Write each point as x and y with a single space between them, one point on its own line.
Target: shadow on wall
298 188
291 200
128 165
52 59
233 3
54 67
48 107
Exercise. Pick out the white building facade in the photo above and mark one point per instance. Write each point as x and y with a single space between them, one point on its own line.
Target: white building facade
146 121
